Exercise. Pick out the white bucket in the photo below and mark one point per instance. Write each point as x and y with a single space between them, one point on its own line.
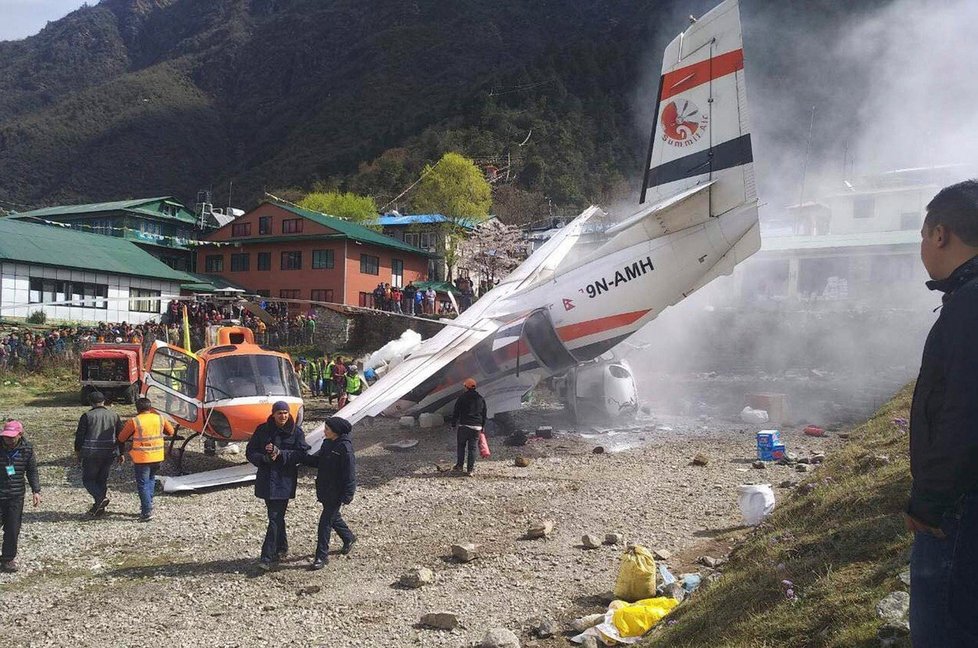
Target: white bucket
756 502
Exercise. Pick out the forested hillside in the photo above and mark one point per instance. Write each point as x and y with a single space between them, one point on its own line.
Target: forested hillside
149 97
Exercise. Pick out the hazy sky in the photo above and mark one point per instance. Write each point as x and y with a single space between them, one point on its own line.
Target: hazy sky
22 18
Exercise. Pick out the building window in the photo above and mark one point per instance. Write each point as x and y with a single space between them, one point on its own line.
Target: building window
412 238
74 293
369 264
264 260
263 293
292 260
292 226
863 207
144 305
366 300
289 294
264 224
241 229
428 240
322 295
214 263
322 259
240 262
910 221
397 273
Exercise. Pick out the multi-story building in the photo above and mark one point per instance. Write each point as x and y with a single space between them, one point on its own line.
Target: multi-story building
285 252
430 232
162 226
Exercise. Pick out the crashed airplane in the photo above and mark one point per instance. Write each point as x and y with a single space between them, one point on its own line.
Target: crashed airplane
563 306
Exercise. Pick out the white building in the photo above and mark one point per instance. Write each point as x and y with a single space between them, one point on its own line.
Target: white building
80 277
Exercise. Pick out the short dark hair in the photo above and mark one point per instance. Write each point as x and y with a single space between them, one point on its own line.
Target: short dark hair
956 208
96 398
143 405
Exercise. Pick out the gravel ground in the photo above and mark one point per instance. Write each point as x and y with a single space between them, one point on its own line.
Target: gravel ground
190 577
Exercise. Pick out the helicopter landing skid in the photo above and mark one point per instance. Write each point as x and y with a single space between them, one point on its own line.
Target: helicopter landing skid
180 451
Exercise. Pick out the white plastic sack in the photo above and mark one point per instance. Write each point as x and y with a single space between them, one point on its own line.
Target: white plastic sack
755 416
756 502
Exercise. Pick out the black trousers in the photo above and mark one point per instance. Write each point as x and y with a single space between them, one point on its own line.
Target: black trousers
468 442
275 539
95 476
331 520
11 514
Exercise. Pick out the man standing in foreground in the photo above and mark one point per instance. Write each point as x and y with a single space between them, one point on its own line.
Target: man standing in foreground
468 419
943 508
18 463
146 430
97 449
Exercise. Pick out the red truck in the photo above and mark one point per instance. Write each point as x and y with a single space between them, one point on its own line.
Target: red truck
116 370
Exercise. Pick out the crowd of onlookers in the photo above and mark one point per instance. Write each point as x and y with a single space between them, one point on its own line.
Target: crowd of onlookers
423 300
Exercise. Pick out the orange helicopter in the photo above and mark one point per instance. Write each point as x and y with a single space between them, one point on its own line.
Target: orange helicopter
224 391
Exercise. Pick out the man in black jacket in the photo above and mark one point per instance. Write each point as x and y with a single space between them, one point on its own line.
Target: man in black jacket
96 447
468 419
276 448
943 507
17 461
336 482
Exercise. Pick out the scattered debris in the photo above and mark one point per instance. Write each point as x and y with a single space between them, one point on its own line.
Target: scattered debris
440 620
585 622
407 422
521 462
691 582
700 460
540 530
518 438
636 575
401 446
592 642
759 465
814 431
465 552
710 561
667 576
894 607
545 432
309 590
662 554
753 416
590 541
905 577
418 577
803 467
429 420
674 590
804 460
756 502
598 450
500 638
544 628
613 538
769 445
818 458
444 467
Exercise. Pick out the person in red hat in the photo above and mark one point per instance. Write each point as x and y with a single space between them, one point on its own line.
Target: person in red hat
468 419
17 461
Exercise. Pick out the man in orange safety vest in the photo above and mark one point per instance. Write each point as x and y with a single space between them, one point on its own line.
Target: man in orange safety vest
146 430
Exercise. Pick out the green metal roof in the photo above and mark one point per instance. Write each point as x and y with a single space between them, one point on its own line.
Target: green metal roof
25 242
118 205
208 283
351 230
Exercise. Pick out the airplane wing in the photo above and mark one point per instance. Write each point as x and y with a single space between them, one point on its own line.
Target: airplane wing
467 330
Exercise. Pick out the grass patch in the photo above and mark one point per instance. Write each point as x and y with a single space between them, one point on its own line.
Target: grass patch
842 546
57 385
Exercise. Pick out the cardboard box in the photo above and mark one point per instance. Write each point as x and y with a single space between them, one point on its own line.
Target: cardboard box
776 406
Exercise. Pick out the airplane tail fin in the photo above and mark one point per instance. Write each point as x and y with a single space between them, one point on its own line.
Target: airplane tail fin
701 132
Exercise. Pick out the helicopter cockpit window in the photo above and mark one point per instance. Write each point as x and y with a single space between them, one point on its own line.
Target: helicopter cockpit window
176 370
241 376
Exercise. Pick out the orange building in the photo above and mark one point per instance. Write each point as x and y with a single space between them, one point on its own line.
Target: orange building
284 252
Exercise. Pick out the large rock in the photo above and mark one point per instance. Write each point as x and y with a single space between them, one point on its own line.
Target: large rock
500 638
406 422
521 462
545 432
429 420
440 620
661 554
418 577
590 541
465 552
540 530
613 538
700 460
544 628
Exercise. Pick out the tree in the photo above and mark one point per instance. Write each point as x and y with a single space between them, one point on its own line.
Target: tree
348 206
455 188
492 251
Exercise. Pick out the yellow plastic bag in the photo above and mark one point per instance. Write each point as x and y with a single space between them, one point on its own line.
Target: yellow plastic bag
636 575
638 618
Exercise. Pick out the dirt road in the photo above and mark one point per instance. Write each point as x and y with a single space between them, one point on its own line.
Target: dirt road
190 577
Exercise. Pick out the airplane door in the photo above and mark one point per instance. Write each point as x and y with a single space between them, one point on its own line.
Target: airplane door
173 383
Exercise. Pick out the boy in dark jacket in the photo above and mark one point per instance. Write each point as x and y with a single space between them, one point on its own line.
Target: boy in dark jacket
18 461
276 448
336 482
468 419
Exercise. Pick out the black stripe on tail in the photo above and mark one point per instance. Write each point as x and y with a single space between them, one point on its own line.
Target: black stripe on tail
723 156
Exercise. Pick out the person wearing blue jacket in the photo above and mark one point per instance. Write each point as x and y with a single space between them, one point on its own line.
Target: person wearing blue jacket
276 448
336 482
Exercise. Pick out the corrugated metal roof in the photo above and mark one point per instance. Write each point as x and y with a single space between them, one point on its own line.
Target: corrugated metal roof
25 242
351 230
419 219
208 283
863 239
117 205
